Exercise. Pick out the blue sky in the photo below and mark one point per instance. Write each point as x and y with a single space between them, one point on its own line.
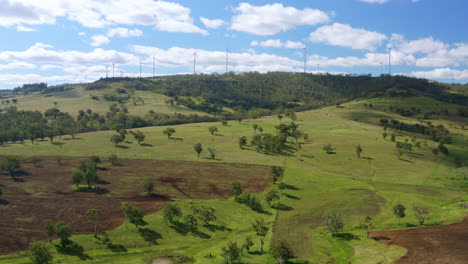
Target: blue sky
57 41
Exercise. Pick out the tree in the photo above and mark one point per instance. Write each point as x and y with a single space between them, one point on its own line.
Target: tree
169 132
92 215
248 243
63 231
255 127
275 172
190 222
198 148
117 139
170 211
113 158
96 159
420 212
399 212
39 253
224 122
271 196
149 186
334 222
89 172
139 136
236 189
204 213
239 120
384 135
242 142
49 228
393 137
399 152
281 251
358 151
328 148
231 253
213 129
261 229
280 116
132 214
10 164
212 153
77 177
367 224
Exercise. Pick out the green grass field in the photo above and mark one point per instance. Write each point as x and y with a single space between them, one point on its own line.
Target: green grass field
356 187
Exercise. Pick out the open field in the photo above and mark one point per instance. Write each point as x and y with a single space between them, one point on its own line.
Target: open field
45 192
356 187
437 244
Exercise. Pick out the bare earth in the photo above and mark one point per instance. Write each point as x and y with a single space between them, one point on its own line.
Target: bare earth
445 244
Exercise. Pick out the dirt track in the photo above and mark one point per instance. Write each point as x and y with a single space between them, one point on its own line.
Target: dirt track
45 192
445 244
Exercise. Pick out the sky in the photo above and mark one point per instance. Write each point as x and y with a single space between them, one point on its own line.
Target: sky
71 41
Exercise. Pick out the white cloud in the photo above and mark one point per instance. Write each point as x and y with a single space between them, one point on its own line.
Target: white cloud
277 43
47 67
25 29
8 81
99 40
212 23
81 34
271 19
441 73
17 65
163 15
124 32
43 53
345 36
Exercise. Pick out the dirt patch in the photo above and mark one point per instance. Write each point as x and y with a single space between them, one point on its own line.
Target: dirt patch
437 244
162 261
45 192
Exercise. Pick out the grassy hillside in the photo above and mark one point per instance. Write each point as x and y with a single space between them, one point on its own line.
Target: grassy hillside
356 187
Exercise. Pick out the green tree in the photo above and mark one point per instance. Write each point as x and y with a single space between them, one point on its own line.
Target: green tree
421 213
255 127
190 222
328 148
77 177
212 153
117 139
399 212
132 214
275 172
231 253
334 223
10 164
49 228
198 149
281 251
358 150
224 122
367 224
170 211
248 243
213 129
393 137
280 116
149 186
272 196
204 213
139 136
114 159
63 231
261 229
169 132
39 253
89 173
236 189
242 142
92 215
96 159
384 135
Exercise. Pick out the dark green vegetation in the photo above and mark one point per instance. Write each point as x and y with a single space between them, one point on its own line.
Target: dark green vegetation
394 158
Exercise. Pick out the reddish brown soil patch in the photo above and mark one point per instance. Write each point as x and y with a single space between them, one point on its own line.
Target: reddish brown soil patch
436 244
45 192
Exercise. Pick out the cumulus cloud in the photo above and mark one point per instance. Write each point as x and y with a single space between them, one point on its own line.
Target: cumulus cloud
271 19
8 81
99 40
441 73
345 36
212 23
163 15
277 43
124 32
25 29
17 65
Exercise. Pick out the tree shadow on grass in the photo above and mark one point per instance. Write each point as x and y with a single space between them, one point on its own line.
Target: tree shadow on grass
213 227
4 202
121 147
94 189
183 229
58 143
73 249
104 240
282 207
290 187
347 236
405 160
177 138
257 253
146 145
367 158
290 196
149 235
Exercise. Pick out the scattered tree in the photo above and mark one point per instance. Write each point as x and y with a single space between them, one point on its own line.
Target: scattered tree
49 228
63 231
169 132
10 164
198 148
420 212
334 223
261 229
92 215
328 148
236 189
242 142
399 212
213 129
358 151
281 251
367 224
117 139
275 172
280 116
393 137
224 122
272 196
231 253
204 213
139 136
96 159
114 159
190 222
248 243
77 177
212 153
39 253
149 186
170 211
255 127
132 214
384 135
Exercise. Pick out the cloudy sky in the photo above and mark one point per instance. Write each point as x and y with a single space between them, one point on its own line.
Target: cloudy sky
58 41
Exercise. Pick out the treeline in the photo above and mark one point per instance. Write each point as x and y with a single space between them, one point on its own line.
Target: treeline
18 126
436 133
41 87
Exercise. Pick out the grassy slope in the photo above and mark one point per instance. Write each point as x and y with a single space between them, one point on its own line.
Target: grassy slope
356 187
79 99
